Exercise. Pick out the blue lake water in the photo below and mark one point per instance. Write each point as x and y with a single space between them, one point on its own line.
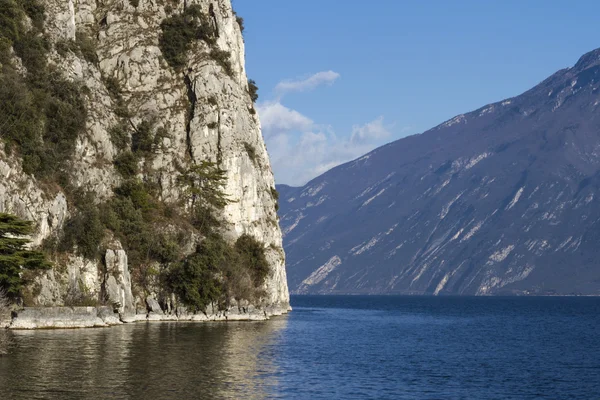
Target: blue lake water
381 347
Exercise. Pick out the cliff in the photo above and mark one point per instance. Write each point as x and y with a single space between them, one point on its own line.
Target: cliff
500 200
153 101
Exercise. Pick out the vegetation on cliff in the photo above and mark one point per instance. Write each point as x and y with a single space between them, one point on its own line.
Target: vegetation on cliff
42 114
15 257
217 271
180 31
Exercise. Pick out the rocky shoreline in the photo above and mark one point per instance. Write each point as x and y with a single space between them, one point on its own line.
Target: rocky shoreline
30 318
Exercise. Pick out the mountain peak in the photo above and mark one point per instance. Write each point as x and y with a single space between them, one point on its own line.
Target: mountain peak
501 200
588 60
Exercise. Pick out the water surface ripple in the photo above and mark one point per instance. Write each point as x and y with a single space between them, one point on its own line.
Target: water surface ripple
379 347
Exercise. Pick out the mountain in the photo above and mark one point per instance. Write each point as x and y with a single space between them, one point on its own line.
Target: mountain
115 117
501 200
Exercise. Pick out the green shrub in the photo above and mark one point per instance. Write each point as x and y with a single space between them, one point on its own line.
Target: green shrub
134 3
126 164
212 125
223 58
43 114
240 22
252 90
143 145
218 271
180 31
84 230
119 136
140 193
15 257
142 139
197 280
35 11
252 257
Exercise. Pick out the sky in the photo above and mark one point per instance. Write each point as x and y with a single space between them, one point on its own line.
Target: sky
338 78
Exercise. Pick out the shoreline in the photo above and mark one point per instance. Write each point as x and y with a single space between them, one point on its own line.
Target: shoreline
36 318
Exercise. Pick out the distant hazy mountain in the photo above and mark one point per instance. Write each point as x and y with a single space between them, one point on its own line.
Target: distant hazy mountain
500 200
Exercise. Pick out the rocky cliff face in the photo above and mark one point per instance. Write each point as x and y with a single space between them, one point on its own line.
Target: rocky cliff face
204 109
501 200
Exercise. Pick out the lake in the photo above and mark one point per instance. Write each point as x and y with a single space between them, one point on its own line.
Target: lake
380 347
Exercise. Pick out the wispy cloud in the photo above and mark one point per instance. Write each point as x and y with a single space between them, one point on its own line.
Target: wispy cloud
275 117
301 149
374 130
310 83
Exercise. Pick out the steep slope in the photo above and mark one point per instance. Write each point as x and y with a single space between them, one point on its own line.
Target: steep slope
200 110
503 199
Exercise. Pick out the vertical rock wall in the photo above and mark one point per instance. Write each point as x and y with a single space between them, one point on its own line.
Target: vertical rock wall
224 129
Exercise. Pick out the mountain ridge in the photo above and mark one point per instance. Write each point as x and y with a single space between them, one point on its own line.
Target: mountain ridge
503 151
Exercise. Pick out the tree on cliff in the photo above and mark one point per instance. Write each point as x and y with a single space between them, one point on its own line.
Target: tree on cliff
204 183
14 255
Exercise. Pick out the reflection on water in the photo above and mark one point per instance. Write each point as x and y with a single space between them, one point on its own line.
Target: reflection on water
329 347
152 360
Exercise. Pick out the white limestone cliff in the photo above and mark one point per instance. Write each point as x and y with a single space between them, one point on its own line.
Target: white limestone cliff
221 131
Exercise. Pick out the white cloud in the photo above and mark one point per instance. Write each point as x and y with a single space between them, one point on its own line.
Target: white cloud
276 117
310 83
301 150
374 130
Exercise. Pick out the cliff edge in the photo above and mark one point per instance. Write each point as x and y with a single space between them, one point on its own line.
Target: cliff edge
151 90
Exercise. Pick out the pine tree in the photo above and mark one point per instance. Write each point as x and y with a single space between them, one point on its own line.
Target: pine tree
14 255
204 184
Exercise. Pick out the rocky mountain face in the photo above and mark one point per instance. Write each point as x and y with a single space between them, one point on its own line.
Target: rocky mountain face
201 111
501 200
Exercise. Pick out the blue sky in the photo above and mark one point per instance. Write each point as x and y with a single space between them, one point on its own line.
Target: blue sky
339 78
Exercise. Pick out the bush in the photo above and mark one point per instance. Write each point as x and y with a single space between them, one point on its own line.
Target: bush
223 58
252 257
252 90
217 272
143 145
240 22
119 136
196 280
84 230
35 11
180 31
43 114
142 139
15 257
275 196
126 164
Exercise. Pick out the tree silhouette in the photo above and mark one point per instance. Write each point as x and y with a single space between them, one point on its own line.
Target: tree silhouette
14 255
